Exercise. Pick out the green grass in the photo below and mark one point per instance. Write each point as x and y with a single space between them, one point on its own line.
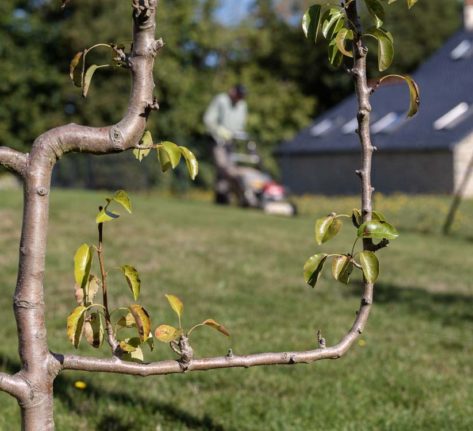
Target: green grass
413 371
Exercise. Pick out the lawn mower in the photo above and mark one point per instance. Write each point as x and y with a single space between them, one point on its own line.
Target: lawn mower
242 175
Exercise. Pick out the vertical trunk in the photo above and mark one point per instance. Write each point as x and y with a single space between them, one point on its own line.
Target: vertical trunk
37 409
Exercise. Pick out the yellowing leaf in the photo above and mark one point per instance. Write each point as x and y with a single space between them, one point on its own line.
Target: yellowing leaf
414 92
342 36
92 288
72 67
166 333
88 79
176 304
191 162
342 267
173 152
385 46
94 330
75 324
121 197
133 280
82 264
105 215
143 322
164 160
213 324
146 141
135 356
370 264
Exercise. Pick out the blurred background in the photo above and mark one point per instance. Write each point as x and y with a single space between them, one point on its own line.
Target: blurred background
210 45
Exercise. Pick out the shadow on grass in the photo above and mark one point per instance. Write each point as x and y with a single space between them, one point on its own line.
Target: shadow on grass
449 308
84 403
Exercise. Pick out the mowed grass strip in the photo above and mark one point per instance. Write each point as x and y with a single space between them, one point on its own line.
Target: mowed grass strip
413 369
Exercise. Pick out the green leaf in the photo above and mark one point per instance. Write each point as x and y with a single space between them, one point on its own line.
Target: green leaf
376 215
76 78
313 268
146 141
121 197
106 215
311 22
385 46
370 264
164 160
133 280
143 322
414 92
326 228
377 230
376 10
176 304
173 152
356 218
166 333
75 324
82 264
88 79
94 329
213 324
342 36
191 162
342 267
335 57
332 21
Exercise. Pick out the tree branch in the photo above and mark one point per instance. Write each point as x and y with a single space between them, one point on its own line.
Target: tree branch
115 365
13 385
14 160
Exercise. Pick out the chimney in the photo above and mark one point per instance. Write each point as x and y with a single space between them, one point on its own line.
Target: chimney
468 15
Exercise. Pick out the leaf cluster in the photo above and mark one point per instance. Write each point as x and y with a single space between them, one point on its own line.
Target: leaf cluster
130 325
330 19
343 265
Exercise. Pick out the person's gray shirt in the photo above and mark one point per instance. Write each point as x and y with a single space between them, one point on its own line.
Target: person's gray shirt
221 113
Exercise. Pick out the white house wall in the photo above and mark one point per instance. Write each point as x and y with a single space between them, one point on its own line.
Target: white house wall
463 156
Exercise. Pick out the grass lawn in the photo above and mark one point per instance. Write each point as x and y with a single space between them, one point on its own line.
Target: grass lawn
413 369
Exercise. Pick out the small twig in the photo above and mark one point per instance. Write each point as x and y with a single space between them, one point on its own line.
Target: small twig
112 341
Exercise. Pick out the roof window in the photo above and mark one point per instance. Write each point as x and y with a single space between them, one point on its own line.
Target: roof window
322 128
388 123
463 50
452 117
350 127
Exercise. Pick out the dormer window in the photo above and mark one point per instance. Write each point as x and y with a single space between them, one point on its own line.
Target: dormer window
463 50
452 117
322 128
388 123
350 127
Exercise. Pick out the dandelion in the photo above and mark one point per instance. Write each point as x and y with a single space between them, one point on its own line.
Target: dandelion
79 384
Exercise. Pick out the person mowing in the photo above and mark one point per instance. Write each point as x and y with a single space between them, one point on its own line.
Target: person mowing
225 119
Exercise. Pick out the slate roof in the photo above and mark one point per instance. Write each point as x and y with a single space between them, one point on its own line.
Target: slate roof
444 83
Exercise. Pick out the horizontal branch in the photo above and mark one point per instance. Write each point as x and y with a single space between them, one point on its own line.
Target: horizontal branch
13 385
13 160
115 365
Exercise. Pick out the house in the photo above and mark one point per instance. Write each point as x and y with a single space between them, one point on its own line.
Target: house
430 153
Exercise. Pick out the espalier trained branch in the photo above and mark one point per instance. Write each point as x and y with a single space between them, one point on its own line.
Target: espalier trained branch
32 386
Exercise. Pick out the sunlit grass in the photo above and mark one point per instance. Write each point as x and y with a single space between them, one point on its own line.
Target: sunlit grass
412 371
